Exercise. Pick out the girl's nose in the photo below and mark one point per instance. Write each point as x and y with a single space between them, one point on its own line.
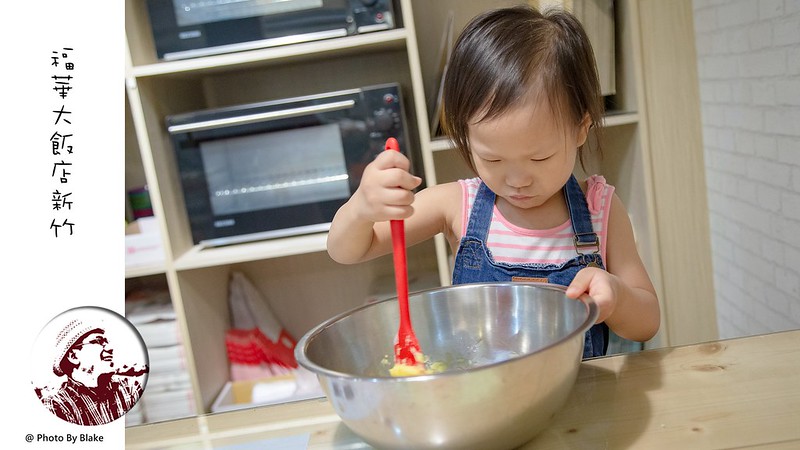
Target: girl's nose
518 178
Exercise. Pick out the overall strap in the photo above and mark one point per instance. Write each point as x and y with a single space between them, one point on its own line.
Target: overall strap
480 218
581 218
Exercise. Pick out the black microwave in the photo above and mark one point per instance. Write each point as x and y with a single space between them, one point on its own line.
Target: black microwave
284 167
192 28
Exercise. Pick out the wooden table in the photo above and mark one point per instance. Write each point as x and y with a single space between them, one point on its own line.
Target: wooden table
738 393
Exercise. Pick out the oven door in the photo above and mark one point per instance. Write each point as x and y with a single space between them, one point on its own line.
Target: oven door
191 28
274 170
187 28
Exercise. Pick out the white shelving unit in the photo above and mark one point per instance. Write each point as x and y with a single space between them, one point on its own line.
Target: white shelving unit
302 284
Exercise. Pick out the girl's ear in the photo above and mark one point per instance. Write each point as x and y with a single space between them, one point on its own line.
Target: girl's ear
583 130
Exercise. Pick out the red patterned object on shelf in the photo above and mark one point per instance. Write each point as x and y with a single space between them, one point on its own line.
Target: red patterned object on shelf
253 355
258 346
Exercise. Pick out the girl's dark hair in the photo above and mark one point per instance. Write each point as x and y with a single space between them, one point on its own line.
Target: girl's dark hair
503 53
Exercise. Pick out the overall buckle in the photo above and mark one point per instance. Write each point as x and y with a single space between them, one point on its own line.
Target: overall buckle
582 245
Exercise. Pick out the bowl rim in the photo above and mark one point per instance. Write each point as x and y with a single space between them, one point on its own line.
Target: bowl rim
302 344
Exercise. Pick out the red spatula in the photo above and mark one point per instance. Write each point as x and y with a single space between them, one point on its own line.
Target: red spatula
407 347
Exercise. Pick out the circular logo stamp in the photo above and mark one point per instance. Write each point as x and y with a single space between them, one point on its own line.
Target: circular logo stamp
90 366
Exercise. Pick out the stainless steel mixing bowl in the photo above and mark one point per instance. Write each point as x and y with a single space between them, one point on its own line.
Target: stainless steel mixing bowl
512 352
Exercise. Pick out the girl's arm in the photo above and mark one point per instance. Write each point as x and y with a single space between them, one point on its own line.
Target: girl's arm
360 229
625 295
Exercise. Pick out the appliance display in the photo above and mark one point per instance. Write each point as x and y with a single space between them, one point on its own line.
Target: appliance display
193 28
283 167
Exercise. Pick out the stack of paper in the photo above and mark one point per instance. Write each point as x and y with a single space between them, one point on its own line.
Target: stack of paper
297 384
143 243
168 393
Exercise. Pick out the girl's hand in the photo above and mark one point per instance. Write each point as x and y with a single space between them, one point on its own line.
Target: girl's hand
600 285
385 191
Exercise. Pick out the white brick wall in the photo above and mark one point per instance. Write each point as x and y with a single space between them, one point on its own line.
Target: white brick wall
748 55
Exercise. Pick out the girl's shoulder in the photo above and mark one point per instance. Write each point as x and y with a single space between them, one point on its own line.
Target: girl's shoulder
598 193
440 196
469 187
472 183
444 188
437 208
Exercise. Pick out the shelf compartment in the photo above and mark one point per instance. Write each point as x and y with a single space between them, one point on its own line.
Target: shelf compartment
163 96
302 291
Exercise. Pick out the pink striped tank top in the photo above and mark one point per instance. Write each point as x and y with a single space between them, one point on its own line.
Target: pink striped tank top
515 245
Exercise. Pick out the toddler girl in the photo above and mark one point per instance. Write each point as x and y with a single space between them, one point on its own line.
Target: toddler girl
520 95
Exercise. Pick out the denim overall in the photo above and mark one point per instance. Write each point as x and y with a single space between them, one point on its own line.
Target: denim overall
474 262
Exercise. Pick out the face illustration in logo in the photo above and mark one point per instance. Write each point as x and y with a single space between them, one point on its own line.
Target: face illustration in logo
94 388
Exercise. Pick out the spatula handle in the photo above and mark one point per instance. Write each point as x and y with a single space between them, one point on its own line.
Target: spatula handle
400 267
399 253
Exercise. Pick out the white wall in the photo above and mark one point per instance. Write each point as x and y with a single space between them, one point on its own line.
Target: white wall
748 54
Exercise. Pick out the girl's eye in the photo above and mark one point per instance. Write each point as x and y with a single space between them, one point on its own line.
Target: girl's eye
541 159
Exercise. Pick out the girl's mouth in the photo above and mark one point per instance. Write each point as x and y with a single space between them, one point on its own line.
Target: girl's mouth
520 198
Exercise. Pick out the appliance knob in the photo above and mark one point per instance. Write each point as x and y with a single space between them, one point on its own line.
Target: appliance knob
389 99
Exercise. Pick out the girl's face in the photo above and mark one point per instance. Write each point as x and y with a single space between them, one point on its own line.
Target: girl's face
523 155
